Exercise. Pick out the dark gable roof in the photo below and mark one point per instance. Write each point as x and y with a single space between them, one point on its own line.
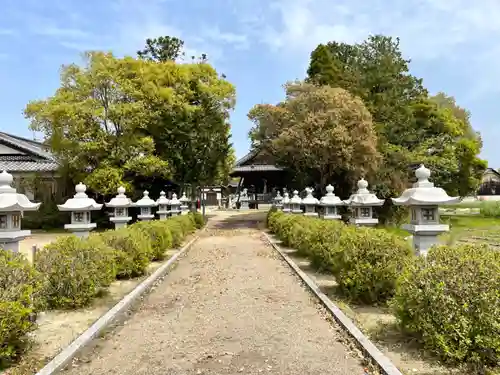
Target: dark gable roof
34 158
492 170
241 167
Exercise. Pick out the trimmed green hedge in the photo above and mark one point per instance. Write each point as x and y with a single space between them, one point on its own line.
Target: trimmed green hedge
71 272
450 300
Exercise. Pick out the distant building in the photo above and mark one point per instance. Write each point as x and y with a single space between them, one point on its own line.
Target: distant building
490 184
259 174
24 158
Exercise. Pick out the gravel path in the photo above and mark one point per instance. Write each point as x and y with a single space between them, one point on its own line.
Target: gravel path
229 307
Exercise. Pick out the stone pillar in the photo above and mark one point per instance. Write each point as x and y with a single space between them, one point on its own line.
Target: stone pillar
12 204
310 204
80 207
329 204
424 199
145 205
162 202
362 203
295 203
120 205
244 200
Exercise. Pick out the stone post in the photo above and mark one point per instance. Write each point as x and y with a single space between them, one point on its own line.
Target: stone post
162 202
329 203
120 204
310 203
145 205
295 203
244 200
277 201
80 207
286 203
184 204
362 203
12 206
175 205
424 199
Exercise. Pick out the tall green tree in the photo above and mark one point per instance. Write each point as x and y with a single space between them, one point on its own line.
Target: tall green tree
198 141
322 134
412 127
118 121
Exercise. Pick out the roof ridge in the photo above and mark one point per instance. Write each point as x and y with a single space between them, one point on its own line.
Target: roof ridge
24 144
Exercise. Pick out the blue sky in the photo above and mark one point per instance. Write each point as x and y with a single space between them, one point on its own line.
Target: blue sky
258 44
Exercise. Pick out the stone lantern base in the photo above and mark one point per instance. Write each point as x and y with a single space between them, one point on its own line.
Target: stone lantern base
10 240
145 217
425 236
364 221
244 205
80 230
120 222
163 215
310 214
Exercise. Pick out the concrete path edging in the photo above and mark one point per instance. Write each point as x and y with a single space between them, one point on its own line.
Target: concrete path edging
62 359
384 363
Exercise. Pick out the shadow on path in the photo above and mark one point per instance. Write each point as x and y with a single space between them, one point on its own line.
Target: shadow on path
253 220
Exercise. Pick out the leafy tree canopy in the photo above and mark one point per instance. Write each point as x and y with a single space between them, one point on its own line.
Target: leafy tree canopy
116 120
318 132
412 127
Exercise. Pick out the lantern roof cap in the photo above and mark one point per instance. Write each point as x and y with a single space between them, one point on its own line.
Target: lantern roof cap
80 201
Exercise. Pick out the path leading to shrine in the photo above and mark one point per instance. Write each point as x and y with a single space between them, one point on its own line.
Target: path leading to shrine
230 306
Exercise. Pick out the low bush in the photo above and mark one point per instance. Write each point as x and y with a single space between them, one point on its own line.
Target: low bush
368 263
160 236
321 243
19 298
490 209
199 220
132 248
451 301
75 270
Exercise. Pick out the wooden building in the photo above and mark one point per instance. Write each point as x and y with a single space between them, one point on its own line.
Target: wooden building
490 183
258 173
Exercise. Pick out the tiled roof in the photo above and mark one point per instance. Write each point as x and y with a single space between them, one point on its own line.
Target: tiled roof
35 159
257 168
27 166
246 158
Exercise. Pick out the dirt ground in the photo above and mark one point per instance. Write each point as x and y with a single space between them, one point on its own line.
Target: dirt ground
379 325
230 306
39 239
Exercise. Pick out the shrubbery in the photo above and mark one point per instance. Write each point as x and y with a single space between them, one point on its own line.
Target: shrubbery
368 263
70 272
75 270
19 299
450 300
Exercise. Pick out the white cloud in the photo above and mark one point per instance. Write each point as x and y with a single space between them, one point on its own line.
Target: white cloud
456 31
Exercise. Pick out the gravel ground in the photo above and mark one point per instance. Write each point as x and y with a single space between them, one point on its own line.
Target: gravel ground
229 307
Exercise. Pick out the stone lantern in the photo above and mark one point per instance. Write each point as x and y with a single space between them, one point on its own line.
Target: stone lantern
184 204
145 205
362 203
278 199
244 200
286 203
80 207
162 202
120 204
329 202
12 206
295 203
310 203
175 205
423 200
